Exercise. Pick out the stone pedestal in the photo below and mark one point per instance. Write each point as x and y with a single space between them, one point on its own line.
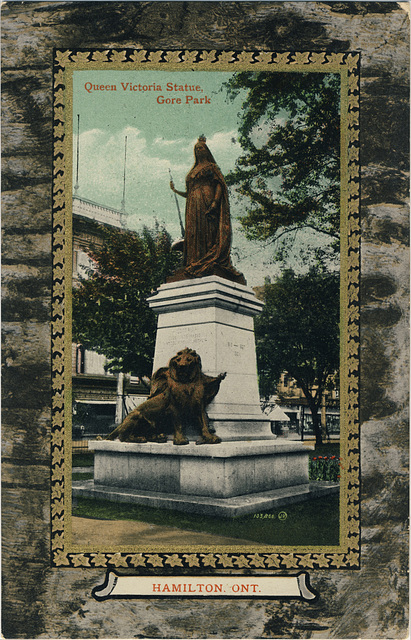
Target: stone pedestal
225 480
215 317
216 471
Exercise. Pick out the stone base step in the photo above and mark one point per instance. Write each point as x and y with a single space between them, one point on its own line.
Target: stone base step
220 507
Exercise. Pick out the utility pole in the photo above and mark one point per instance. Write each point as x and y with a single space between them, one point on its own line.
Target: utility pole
123 202
119 399
302 414
323 418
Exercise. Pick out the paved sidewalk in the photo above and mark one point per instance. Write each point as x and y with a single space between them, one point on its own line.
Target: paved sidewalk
88 531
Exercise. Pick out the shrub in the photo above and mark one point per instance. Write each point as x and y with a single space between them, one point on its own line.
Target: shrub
325 468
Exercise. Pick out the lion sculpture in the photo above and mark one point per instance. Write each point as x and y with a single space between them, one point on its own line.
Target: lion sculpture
178 397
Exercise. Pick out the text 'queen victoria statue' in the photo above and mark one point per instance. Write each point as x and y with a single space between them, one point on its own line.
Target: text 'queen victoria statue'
207 240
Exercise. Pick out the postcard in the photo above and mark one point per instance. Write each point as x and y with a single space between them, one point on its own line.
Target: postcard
205 339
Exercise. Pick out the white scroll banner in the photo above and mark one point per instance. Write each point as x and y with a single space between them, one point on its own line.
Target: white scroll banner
289 586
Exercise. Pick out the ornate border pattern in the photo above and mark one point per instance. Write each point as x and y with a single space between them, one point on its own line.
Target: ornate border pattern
347 556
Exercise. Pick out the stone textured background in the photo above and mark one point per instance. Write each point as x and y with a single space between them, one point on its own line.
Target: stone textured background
48 603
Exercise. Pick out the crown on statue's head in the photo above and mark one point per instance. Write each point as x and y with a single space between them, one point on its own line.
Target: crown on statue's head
202 138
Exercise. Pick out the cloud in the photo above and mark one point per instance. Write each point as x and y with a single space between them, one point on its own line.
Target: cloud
101 170
147 168
223 140
162 142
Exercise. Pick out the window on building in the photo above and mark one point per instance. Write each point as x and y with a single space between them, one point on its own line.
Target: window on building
80 351
84 263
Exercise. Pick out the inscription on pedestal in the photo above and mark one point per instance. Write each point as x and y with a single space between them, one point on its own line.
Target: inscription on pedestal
178 336
236 348
171 340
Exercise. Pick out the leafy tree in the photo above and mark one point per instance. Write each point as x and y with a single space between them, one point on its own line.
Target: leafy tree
110 310
289 169
298 333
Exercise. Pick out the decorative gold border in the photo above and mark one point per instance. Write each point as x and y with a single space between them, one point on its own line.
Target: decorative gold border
347 553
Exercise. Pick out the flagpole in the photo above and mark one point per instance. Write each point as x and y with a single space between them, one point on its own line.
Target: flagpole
123 202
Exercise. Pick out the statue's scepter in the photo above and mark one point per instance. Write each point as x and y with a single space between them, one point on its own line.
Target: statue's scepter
178 207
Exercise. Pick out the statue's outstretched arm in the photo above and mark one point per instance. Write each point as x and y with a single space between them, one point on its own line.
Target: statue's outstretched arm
211 386
180 193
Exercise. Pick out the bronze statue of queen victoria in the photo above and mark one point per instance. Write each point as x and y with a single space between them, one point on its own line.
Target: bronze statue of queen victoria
207 240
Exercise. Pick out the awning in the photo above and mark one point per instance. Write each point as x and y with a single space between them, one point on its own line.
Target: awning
95 401
278 415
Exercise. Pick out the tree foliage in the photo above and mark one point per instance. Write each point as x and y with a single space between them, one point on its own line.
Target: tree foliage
289 169
298 333
110 310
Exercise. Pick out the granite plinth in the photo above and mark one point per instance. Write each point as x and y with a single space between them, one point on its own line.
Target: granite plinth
219 507
215 317
215 471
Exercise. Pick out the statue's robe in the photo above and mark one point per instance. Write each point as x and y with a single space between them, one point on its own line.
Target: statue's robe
207 240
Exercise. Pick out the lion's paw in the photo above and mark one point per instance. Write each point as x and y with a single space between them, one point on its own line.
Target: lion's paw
180 441
211 439
137 439
159 438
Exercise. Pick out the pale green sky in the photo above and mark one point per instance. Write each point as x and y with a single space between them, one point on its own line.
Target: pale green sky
159 137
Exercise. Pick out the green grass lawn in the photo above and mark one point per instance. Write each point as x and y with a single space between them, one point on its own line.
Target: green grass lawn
315 522
330 449
82 476
82 459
